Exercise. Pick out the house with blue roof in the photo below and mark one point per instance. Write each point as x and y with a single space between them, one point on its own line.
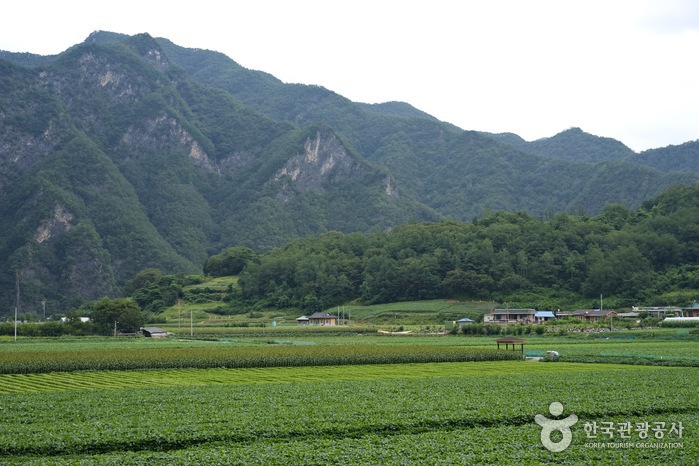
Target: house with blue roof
464 321
543 316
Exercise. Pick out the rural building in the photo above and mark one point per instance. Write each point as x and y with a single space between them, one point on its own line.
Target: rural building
153 332
593 315
464 321
543 316
659 312
322 318
692 311
514 316
303 320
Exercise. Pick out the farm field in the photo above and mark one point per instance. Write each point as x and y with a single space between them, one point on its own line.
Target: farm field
484 413
417 314
277 347
479 412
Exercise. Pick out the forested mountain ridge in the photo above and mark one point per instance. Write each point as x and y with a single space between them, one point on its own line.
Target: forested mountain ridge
579 146
648 256
573 144
127 152
676 158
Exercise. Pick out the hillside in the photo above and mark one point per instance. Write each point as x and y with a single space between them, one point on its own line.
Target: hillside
205 304
127 152
682 158
573 144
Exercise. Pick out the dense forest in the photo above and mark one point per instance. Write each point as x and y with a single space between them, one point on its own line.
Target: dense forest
126 153
649 256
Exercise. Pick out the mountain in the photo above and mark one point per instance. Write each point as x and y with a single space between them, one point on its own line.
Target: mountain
680 158
576 145
127 152
573 144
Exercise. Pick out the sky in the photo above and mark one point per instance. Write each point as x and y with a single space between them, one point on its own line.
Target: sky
625 69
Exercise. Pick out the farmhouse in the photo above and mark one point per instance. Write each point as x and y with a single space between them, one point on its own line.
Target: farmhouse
514 316
303 320
593 315
543 316
153 332
659 312
322 318
692 311
464 321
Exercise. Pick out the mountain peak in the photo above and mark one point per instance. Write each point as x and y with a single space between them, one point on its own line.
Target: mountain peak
574 130
580 146
105 37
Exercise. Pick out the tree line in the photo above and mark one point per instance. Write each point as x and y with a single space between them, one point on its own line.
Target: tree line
646 256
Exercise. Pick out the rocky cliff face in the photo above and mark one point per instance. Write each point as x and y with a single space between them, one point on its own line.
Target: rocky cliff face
112 160
324 161
162 133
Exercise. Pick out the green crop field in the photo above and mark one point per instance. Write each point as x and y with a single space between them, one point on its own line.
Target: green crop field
237 357
428 312
265 400
396 414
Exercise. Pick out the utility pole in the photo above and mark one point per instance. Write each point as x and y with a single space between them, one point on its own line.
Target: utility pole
16 300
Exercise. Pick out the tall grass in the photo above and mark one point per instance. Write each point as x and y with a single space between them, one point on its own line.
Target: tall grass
266 356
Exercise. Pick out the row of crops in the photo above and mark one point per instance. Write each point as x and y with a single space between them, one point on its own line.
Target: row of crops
107 380
240 357
671 353
483 415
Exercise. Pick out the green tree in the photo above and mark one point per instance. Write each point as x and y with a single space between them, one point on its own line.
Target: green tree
468 283
123 313
143 279
231 261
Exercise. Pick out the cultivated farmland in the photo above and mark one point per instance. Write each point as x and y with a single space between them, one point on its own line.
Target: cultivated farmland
412 412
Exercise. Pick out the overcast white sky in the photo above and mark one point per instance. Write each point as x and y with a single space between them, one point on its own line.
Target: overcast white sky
627 69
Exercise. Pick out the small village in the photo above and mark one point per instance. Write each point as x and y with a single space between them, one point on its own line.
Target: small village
532 316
